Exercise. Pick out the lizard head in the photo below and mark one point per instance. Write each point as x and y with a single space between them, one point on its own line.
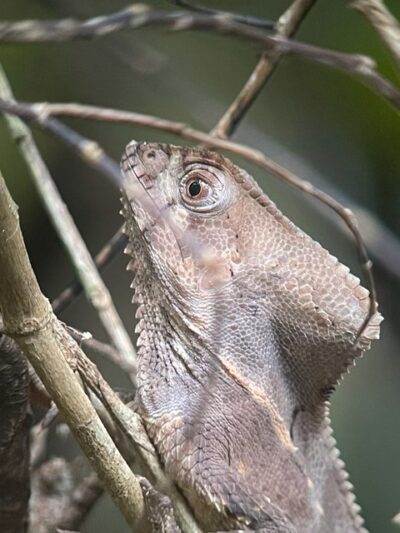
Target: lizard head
188 207
208 233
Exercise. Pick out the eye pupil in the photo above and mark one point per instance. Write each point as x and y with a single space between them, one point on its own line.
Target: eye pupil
194 188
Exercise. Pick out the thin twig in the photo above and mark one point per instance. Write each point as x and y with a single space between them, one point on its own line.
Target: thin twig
131 425
28 318
139 16
286 26
243 19
115 245
383 22
88 150
95 289
109 167
102 348
39 440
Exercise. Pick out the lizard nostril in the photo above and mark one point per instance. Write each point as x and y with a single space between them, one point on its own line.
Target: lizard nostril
150 155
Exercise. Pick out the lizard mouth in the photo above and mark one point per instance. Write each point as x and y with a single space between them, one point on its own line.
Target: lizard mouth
141 165
138 182
132 162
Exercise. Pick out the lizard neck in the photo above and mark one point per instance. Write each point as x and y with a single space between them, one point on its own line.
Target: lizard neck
186 346
187 363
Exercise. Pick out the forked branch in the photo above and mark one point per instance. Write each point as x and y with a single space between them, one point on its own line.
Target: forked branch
29 320
286 26
139 16
95 289
383 22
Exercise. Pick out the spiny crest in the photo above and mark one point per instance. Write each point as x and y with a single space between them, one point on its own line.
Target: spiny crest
205 226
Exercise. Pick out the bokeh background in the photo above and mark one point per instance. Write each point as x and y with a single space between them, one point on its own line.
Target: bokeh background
322 124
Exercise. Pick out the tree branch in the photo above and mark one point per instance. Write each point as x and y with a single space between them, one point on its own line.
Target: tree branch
286 26
243 19
139 16
385 24
131 426
103 349
115 245
28 319
95 290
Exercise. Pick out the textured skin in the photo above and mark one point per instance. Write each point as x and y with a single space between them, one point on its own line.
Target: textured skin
159 509
245 326
15 423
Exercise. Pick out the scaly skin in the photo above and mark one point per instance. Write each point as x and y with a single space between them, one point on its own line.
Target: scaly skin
246 324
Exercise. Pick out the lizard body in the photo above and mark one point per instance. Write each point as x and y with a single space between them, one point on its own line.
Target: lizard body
245 326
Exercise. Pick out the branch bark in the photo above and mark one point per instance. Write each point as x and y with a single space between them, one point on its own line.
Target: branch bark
384 23
29 320
116 244
131 426
139 16
286 26
95 289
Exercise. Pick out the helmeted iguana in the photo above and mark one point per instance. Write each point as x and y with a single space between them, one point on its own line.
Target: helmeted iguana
245 326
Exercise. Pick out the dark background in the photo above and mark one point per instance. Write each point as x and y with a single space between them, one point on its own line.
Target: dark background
322 124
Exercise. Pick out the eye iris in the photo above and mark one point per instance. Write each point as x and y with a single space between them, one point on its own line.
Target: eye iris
194 188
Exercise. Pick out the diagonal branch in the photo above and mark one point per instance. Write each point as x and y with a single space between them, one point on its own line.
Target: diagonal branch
95 289
29 320
88 150
131 426
102 259
286 26
383 22
139 16
243 19
86 340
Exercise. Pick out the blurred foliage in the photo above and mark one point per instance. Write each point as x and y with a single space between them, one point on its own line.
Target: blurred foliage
335 127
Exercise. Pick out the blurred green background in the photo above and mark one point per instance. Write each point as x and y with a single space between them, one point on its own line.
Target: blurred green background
322 124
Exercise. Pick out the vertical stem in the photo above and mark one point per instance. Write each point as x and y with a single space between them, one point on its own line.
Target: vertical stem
286 26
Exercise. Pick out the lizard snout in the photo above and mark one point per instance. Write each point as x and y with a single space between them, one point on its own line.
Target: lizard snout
147 160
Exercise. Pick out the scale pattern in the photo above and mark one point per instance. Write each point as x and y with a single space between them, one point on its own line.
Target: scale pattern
245 326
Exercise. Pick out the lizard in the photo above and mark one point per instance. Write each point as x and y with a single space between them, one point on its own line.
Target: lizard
245 326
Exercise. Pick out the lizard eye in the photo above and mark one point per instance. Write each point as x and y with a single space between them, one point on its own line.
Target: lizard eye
194 188
201 189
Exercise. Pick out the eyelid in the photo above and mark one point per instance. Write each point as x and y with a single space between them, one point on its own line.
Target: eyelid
210 176
203 173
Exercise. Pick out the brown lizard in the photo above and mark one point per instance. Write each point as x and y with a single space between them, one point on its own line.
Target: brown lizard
245 326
